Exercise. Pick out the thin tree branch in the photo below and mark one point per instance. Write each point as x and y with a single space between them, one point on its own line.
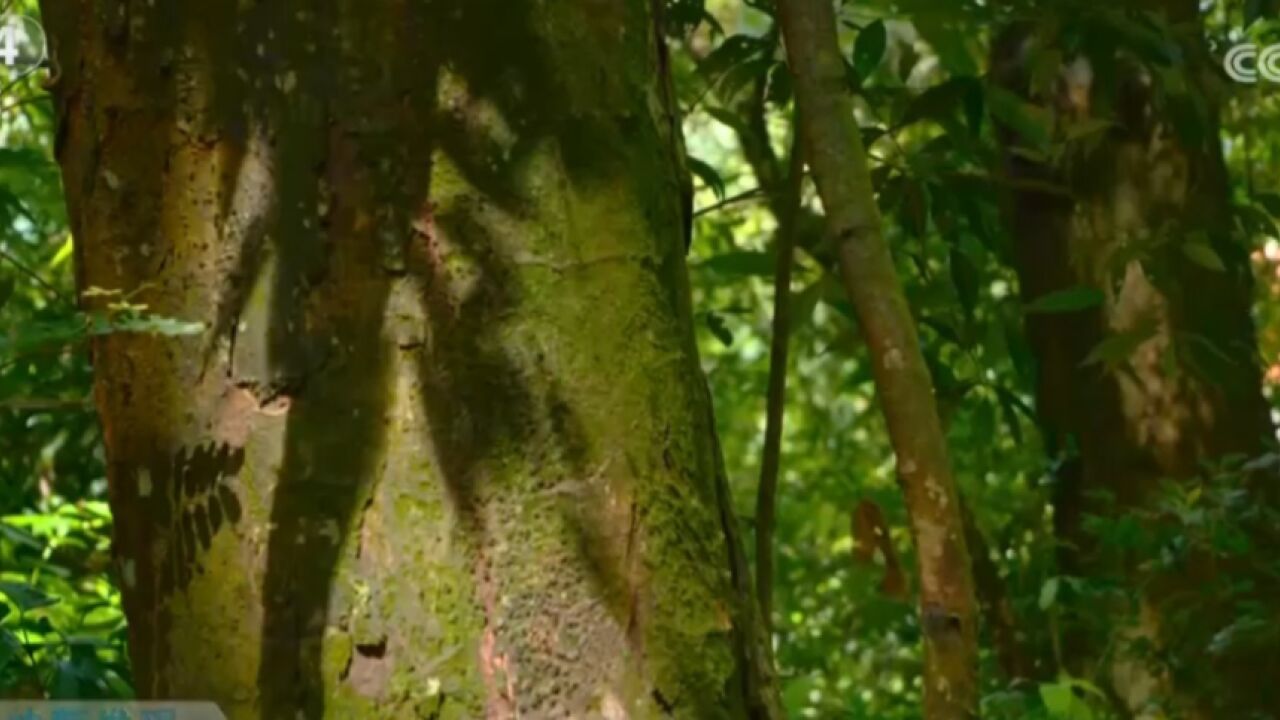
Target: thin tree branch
767 492
25 270
838 160
45 404
745 196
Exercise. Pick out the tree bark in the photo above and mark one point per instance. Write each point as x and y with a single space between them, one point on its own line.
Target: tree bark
838 160
1189 392
444 449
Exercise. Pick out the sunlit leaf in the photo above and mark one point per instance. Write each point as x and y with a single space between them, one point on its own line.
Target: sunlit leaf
27 598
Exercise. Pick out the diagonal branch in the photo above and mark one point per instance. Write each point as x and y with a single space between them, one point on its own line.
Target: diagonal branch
838 160
767 493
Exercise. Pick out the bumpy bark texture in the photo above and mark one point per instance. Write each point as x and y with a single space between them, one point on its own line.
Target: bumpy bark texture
1189 391
948 609
444 449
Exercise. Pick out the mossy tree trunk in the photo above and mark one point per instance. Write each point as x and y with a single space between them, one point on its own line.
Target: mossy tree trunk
444 449
1145 216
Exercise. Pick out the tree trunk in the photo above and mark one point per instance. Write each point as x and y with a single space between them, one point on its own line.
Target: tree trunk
1189 392
444 449
948 609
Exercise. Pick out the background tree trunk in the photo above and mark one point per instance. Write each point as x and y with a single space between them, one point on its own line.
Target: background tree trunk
1188 391
444 449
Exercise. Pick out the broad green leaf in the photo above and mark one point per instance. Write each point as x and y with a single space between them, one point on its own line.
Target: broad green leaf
10 647
868 51
1203 255
719 329
64 253
939 103
1119 347
1032 123
1062 703
27 598
18 536
730 53
1087 127
1254 220
1049 593
949 40
724 116
1073 299
708 175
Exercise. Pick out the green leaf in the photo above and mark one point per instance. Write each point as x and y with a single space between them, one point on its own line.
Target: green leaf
949 41
1203 255
27 598
868 51
707 175
1087 127
732 52
1254 220
10 647
1270 202
725 117
1144 34
26 160
64 253
939 103
742 262
1032 123
1062 703
719 329
1049 593
19 537
1073 299
871 134
1119 347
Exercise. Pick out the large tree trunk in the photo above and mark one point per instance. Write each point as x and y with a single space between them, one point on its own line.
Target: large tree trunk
1189 392
444 449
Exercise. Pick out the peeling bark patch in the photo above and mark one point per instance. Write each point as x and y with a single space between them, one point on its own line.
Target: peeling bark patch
370 670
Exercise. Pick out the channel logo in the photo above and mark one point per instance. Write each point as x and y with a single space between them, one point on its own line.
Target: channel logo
22 46
1250 62
10 710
